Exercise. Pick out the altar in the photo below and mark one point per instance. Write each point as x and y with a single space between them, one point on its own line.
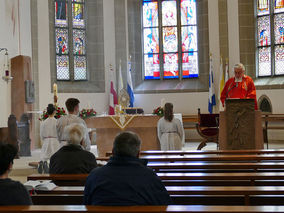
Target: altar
145 126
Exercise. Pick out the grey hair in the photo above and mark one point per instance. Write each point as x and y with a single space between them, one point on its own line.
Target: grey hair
240 66
126 144
75 133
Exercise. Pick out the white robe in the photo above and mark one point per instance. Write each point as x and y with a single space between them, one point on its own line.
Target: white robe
65 121
170 134
48 137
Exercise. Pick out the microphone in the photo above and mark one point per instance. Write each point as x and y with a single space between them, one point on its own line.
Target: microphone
235 85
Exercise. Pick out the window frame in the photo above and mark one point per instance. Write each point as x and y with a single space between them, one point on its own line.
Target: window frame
179 42
70 28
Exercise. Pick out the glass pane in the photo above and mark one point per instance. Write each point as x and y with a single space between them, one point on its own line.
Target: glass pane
78 1
279 6
262 7
152 66
151 40
62 64
263 31
170 66
78 15
279 60
61 41
80 70
279 28
150 14
170 43
169 13
79 42
190 65
61 14
189 38
188 12
264 61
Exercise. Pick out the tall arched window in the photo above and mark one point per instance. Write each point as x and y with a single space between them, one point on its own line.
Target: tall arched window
170 49
270 37
70 40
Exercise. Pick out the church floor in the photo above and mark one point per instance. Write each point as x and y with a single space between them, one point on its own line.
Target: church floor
21 169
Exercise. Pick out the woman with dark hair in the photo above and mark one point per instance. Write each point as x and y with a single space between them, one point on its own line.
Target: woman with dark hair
49 139
170 131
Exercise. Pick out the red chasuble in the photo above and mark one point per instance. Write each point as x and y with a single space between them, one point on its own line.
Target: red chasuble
244 89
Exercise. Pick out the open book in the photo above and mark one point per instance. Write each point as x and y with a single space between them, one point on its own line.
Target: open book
45 185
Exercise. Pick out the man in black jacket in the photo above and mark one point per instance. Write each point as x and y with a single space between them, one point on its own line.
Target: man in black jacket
125 180
11 192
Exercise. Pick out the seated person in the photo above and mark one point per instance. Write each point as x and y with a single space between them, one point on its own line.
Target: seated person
11 192
125 180
72 158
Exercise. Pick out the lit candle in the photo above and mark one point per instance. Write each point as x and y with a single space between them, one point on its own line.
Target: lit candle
55 89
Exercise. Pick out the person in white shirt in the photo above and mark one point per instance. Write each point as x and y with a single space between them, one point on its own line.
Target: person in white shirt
72 105
170 130
48 136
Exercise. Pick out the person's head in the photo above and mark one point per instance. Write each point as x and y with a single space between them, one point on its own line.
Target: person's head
168 111
75 134
72 105
126 144
7 154
239 70
50 109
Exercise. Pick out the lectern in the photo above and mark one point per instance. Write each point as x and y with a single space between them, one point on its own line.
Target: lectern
240 126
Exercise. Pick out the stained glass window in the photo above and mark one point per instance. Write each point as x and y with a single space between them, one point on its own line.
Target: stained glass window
279 28
175 21
263 31
262 7
270 41
71 61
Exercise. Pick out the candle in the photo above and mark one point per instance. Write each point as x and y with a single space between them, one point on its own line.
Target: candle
55 89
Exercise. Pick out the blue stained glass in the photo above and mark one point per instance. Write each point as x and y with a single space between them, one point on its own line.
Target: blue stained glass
263 31
150 14
170 39
171 66
61 41
151 40
79 42
279 28
152 66
169 13
188 12
189 38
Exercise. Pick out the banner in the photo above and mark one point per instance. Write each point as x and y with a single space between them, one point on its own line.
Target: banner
112 91
211 99
129 84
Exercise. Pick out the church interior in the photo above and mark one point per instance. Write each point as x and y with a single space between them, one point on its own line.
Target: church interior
176 51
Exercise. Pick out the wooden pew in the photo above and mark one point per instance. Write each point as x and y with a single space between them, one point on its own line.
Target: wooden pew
143 209
245 192
213 157
208 152
184 179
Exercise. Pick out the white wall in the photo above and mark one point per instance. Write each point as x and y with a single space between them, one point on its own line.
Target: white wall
17 39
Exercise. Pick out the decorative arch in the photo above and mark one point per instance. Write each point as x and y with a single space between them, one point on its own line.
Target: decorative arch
264 104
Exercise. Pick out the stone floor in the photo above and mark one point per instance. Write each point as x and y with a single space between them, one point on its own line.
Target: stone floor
21 169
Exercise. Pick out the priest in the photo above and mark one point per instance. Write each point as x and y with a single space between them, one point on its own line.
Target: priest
240 86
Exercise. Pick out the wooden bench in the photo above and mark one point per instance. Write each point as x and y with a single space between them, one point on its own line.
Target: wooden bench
184 179
211 157
141 209
188 191
201 152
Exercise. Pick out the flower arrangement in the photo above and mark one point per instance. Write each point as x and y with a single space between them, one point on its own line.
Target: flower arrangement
85 113
159 111
60 111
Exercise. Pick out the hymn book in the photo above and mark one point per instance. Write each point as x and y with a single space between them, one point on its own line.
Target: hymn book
45 185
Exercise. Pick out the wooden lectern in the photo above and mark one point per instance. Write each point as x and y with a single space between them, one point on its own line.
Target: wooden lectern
240 126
